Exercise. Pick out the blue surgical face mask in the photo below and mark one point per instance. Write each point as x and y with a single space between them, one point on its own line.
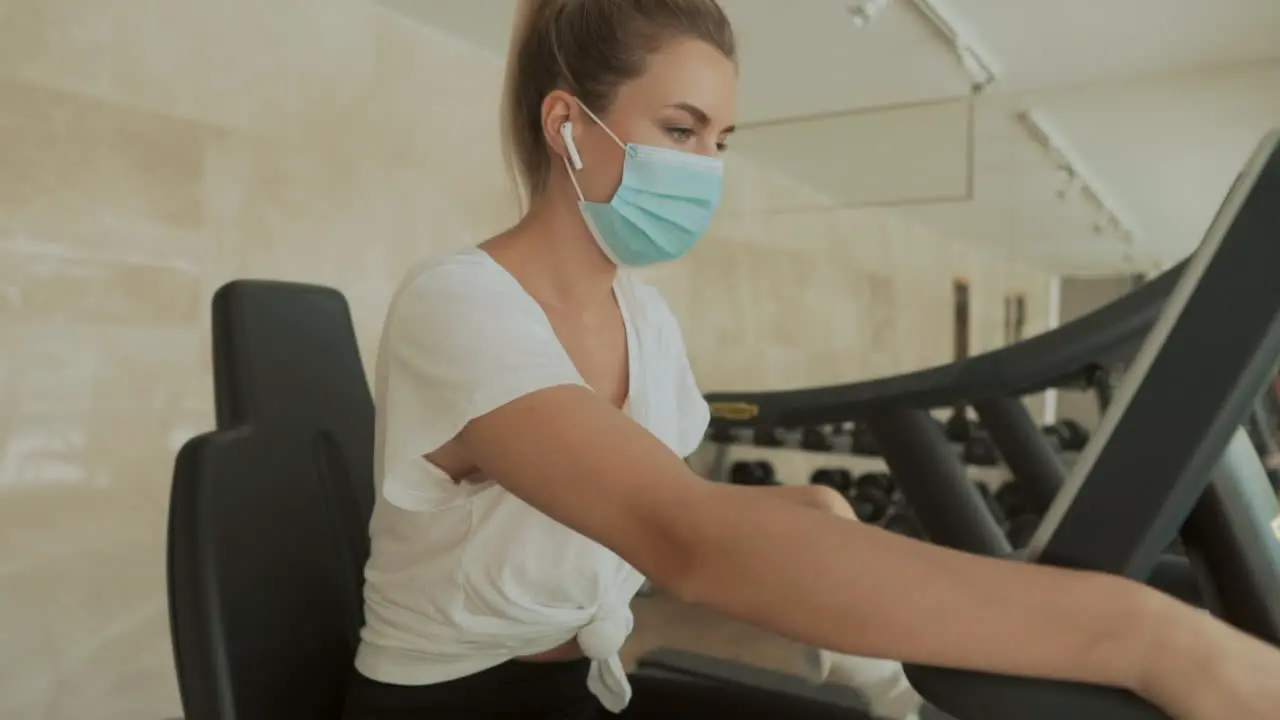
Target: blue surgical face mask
664 204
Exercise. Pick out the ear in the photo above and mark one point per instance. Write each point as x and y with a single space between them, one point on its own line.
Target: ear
558 108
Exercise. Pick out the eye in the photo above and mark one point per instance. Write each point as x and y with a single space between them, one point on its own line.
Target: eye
722 146
681 134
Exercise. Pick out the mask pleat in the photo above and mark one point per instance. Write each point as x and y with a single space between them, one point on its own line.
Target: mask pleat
662 206
688 217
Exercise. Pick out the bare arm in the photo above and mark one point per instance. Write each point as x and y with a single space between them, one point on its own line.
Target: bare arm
816 497
805 573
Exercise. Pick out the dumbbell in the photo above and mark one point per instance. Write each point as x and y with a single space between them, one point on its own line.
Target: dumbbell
870 509
767 436
720 434
752 472
980 451
904 523
1068 435
837 479
876 481
1014 500
815 439
872 497
864 441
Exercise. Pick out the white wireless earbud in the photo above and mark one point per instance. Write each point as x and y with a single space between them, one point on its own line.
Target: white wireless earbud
566 134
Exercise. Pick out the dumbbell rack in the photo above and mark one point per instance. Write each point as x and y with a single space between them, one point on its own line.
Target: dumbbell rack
1036 462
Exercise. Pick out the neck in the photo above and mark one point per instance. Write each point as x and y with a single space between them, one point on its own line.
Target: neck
555 257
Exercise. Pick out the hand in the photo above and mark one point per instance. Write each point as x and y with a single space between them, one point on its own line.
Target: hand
1211 670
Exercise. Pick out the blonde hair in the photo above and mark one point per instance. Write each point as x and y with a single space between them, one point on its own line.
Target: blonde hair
588 48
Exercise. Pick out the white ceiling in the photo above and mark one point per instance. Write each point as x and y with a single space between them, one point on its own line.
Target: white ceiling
1155 102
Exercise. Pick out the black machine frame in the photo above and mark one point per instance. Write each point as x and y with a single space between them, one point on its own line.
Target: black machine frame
1191 386
1202 340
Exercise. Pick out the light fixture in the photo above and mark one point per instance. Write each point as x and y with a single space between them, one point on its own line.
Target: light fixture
864 12
980 71
1070 181
1108 219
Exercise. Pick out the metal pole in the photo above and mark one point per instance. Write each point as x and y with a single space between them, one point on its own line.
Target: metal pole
1024 448
1234 535
933 481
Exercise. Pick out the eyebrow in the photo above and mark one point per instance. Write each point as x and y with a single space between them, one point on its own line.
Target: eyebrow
700 116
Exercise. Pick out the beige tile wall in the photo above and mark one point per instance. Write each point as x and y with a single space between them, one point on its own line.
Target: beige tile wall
151 149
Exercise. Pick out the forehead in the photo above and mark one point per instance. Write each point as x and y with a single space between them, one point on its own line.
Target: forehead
686 71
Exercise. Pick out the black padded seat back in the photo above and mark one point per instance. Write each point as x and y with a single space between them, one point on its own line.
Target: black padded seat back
284 352
268 517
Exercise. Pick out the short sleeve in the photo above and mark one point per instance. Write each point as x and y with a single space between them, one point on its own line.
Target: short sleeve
461 340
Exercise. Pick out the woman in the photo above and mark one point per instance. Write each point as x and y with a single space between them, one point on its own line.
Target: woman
534 406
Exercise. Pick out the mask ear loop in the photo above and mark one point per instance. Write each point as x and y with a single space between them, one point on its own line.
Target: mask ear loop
573 178
566 133
603 127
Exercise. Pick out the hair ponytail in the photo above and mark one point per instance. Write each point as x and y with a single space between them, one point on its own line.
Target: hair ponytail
588 47
514 130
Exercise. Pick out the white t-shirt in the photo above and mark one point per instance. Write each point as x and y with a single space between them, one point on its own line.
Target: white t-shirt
464 577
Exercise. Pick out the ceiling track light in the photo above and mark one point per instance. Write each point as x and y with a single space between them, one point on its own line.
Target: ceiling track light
1071 183
1078 183
864 12
980 71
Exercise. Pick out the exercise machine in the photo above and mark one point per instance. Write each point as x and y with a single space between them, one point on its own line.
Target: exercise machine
1171 464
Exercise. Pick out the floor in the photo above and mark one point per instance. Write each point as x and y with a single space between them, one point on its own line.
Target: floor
662 621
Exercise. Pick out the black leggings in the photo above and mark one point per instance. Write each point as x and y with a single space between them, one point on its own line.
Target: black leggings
558 691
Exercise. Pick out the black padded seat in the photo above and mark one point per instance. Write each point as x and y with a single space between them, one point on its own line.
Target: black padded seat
269 512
